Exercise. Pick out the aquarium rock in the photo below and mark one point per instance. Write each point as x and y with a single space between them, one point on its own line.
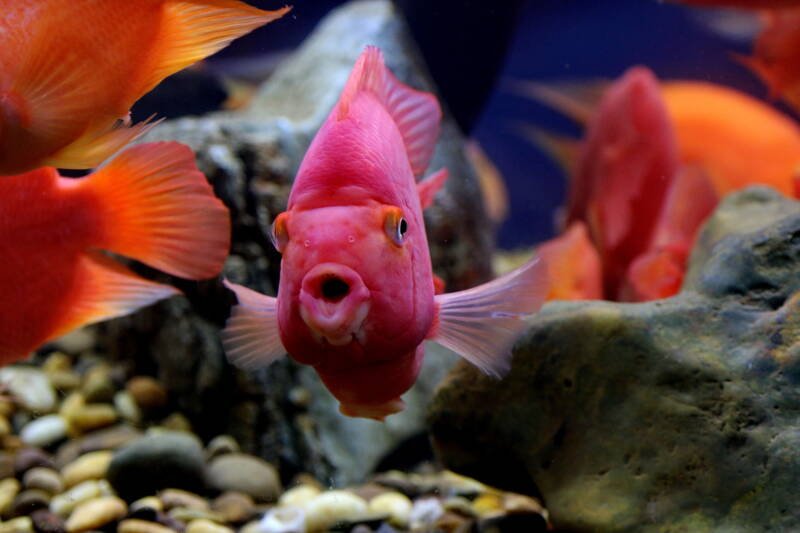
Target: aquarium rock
284 414
678 414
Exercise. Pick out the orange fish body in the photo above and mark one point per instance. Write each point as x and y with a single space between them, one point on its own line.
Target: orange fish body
573 265
735 139
71 69
357 296
149 203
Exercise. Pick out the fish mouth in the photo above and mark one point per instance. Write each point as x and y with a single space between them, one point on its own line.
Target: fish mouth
334 303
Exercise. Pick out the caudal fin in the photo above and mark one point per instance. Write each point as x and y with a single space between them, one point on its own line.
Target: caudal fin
158 208
191 31
481 324
416 113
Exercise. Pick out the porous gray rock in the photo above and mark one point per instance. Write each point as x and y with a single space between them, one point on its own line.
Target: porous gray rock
673 415
250 157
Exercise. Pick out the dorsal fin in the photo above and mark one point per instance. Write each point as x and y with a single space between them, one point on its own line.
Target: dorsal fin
416 113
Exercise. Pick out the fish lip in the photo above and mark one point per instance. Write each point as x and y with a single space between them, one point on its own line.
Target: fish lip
336 323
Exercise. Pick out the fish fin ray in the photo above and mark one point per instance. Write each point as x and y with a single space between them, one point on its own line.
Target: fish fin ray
428 187
481 324
160 209
194 30
564 150
251 337
416 113
97 145
107 290
577 101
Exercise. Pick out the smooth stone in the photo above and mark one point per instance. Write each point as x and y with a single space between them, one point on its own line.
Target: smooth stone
28 458
92 465
134 525
23 524
149 394
57 362
96 513
98 386
64 381
394 505
127 407
63 504
244 473
9 488
280 520
45 521
220 445
102 439
332 507
42 478
186 515
75 342
234 507
172 498
31 387
425 512
206 526
30 500
71 405
5 427
44 431
177 422
6 464
150 505
157 461
94 416
298 496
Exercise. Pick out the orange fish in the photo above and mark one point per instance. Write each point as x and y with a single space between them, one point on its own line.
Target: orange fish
573 265
357 296
149 203
71 69
734 138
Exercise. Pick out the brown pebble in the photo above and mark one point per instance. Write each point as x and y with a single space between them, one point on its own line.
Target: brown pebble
96 513
7 407
42 478
46 522
206 526
234 507
28 458
133 525
9 488
221 445
64 381
97 385
57 362
28 501
177 422
6 465
5 427
172 498
94 416
11 443
101 439
149 394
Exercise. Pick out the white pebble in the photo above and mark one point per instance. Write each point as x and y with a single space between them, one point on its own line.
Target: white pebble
425 512
283 520
44 431
127 408
31 387
331 507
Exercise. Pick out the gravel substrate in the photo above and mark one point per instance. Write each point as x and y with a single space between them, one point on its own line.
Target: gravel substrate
86 448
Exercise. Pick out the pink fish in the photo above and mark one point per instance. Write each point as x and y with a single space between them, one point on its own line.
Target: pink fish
357 296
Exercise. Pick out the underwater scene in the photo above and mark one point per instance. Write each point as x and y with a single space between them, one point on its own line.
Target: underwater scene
399 266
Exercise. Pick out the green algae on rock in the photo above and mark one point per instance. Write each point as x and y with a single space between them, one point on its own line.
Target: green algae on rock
673 415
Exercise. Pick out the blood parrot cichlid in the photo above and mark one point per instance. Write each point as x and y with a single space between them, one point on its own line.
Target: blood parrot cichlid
149 203
357 296
71 69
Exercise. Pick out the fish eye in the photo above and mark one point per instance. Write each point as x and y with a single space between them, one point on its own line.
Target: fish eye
279 235
395 226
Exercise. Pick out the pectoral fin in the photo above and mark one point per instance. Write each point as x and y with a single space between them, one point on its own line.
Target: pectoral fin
481 324
428 187
251 337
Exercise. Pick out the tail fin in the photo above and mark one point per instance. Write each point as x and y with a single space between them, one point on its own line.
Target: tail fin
194 30
481 324
158 208
416 113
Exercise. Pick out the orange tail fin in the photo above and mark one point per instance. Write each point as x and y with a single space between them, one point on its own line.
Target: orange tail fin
194 30
158 208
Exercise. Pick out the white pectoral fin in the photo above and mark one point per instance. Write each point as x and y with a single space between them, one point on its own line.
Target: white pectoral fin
251 338
481 324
